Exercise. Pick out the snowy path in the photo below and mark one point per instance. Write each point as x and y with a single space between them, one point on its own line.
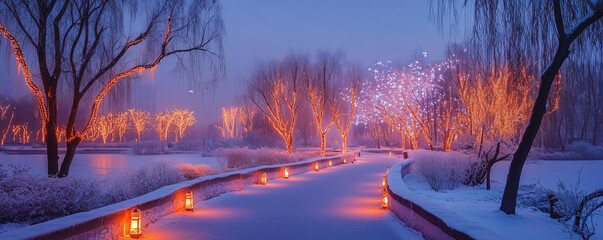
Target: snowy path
342 202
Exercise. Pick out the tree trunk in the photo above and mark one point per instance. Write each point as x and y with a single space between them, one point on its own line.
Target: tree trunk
509 200
344 143
323 144
69 154
52 148
402 136
52 142
289 143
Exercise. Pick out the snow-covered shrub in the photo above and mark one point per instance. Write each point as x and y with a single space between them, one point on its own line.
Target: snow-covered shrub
143 180
586 150
238 158
443 171
29 198
577 208
533 197
194 171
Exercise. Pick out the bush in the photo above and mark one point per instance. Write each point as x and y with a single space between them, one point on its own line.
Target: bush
29 198
239 158
443 171
194 171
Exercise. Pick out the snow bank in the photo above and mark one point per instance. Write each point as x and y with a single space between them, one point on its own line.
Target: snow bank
434 221
110 222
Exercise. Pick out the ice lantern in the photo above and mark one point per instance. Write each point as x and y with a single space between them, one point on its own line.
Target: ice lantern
316 166
286 173
188 203
135 224
330 163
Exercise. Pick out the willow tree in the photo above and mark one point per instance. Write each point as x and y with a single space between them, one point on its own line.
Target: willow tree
86 47
515 32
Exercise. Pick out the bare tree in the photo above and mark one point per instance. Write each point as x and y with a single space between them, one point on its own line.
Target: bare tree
84 46
273 89
321 91
351 88
515 31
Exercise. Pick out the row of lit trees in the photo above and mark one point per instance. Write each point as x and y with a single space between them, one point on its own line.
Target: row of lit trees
447 99
109 127
326 85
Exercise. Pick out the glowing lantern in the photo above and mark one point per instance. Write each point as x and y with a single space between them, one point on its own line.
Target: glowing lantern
355 157
384 180
135 228
316 166
330 163
384 199
345 160
286 174
390 153
188 203
263 178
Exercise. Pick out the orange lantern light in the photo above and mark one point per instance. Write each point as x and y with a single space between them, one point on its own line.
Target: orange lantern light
330 163
135 224
384 180
345 160
188 202
263 178
384 203
390 153
316 166
286 173
355 157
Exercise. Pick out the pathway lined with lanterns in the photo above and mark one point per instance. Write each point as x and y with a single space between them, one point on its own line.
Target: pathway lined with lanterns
342 202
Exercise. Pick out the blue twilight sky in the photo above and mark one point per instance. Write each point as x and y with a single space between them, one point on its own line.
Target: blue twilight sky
366 30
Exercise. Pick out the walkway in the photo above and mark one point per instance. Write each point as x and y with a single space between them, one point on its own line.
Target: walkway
342 202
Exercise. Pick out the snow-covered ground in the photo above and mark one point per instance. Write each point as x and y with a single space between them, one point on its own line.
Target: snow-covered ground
481 206
342 202
102 165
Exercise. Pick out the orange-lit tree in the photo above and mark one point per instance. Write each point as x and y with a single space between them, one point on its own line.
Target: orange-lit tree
163 121
273 89
229 122
87 47
6 121
182 120
321 90
105 126
246 114
121 124
350 86
140 121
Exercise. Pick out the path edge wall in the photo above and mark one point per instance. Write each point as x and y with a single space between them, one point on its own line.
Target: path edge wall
432 220
111 222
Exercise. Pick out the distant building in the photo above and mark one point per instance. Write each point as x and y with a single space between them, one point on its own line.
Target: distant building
144 96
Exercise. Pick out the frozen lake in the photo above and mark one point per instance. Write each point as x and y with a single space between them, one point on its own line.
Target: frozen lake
102 165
